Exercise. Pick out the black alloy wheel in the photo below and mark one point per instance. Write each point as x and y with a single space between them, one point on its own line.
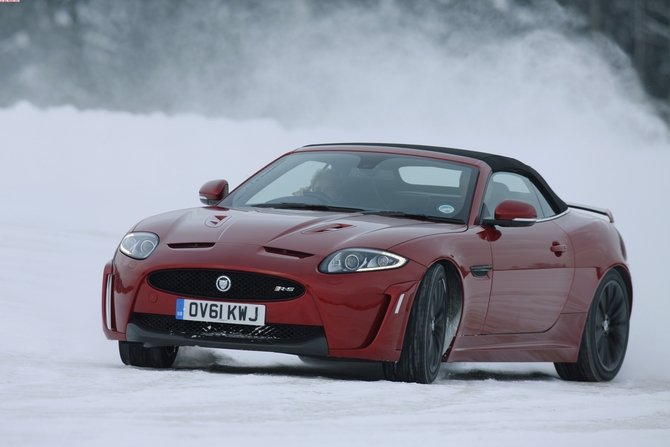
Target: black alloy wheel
424 343
605 336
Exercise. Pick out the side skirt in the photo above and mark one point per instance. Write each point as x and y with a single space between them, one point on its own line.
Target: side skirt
558 344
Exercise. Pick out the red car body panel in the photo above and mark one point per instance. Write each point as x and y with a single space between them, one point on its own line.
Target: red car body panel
530 282
530 305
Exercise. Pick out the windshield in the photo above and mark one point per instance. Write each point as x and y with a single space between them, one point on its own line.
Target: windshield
389 184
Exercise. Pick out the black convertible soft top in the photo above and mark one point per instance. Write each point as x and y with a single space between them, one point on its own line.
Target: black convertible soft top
498 163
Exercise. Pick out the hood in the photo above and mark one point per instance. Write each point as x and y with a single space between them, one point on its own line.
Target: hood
313 232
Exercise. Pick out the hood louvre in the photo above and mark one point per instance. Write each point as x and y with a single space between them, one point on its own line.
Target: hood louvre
328 228
192 245
291 253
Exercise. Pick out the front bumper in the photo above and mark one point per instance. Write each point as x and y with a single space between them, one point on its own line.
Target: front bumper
361 316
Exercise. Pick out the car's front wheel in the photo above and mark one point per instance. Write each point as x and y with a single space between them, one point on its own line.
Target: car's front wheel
605 336
135 354
424 342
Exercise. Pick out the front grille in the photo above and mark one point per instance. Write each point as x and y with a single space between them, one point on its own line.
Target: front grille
194 329
243 285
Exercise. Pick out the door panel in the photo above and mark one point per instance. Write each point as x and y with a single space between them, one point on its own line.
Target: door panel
531 278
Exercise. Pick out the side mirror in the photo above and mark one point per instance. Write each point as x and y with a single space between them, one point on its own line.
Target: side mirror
213 192
513 213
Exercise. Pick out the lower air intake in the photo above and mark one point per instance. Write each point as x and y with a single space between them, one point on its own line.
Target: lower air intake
285 332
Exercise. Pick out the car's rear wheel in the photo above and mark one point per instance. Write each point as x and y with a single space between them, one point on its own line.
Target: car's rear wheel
135 354
424 342
605 336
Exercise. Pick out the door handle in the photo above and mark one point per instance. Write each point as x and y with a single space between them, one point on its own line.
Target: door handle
480 271
558 248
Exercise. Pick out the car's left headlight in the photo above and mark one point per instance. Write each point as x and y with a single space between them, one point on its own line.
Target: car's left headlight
352 260
139 245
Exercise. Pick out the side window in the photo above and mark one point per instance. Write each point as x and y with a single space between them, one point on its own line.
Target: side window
505 185
547 211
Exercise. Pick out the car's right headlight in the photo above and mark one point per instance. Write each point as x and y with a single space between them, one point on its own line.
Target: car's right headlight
139 245
353 260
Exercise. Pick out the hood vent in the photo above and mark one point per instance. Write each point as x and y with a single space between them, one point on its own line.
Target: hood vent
192 245
215 221
328 228
291 253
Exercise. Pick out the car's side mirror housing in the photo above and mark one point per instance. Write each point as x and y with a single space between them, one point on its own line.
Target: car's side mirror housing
213 192
513 213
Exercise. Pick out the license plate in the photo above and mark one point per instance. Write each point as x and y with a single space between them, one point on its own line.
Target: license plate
217 312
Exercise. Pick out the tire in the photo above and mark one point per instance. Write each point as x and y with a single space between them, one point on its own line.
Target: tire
134 354
605 336
424 342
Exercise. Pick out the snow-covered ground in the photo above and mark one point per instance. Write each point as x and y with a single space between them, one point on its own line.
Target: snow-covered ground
72 183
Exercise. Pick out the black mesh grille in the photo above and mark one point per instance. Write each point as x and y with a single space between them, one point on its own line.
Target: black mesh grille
169 324
243 286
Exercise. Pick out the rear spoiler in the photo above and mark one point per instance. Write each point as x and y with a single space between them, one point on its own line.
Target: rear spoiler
593 209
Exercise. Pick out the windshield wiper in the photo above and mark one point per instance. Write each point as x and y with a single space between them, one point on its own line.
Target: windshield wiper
307 206
346 209
424 217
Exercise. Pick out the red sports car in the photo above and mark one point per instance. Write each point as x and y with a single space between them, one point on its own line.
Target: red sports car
406 255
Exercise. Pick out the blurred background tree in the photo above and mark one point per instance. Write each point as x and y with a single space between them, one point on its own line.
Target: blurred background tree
148 55
642 29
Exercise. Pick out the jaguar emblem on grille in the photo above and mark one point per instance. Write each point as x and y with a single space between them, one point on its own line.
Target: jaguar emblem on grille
223 283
